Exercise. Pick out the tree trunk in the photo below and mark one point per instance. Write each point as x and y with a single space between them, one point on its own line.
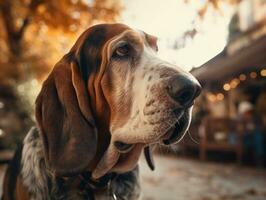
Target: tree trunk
15 34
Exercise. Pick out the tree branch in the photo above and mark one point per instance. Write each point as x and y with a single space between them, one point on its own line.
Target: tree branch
15 35
33 5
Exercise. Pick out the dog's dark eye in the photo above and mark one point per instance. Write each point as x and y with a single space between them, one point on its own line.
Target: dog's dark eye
122 51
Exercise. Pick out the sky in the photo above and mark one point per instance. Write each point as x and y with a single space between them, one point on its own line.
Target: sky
169 19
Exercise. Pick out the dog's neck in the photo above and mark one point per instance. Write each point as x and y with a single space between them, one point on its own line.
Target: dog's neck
42 184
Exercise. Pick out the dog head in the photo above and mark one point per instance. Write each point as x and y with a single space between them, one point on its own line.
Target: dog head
110 97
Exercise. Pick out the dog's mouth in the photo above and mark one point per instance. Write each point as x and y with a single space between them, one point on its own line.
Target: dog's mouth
122 155
173 134
178 130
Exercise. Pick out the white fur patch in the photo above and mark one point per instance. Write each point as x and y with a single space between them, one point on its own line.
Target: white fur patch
33 170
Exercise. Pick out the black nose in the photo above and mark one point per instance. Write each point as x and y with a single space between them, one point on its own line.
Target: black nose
183 89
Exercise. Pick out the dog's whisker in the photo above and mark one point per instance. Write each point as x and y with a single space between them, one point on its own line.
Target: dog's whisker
172 125
192 139
189 133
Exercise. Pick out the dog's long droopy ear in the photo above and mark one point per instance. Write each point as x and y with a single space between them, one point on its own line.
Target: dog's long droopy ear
65 120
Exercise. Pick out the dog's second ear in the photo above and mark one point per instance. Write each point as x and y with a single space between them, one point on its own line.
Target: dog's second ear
65 120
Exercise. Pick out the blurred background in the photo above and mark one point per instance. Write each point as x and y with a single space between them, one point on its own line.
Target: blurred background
221 42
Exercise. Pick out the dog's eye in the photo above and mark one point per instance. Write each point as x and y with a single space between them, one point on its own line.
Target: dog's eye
122 51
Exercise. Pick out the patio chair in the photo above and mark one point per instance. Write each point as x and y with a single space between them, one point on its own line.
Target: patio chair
220 134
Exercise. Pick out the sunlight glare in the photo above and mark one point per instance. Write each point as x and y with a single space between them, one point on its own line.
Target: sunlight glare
168 21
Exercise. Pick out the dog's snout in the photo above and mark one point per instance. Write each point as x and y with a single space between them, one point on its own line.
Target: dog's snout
183 89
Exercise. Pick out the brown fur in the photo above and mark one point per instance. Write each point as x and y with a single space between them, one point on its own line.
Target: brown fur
72 114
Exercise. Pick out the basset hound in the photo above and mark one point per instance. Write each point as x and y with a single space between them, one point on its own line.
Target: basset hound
107 100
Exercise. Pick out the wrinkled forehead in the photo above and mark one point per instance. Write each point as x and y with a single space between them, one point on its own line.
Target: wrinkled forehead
136 37
90 47
97 36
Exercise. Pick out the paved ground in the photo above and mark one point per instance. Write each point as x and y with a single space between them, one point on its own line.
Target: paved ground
184 179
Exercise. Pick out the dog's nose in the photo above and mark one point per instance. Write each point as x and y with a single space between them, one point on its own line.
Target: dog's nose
183 89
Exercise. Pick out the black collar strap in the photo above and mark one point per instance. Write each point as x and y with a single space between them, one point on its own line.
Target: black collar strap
87 186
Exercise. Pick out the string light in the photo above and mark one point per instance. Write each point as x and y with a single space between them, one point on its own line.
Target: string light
237 80
227 87
242 77
253 75
215 97
233 84
211 97
263 72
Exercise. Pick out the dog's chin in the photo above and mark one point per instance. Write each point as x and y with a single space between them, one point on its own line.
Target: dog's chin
128 161
131 152
179 129
170 134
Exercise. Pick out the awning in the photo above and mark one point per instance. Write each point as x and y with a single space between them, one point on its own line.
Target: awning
223 66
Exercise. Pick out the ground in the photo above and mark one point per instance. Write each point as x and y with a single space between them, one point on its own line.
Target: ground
186 179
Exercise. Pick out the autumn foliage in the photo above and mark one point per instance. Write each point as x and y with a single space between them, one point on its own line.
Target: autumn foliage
35 33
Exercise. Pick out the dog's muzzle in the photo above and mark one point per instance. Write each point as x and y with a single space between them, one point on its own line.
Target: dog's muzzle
182 89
